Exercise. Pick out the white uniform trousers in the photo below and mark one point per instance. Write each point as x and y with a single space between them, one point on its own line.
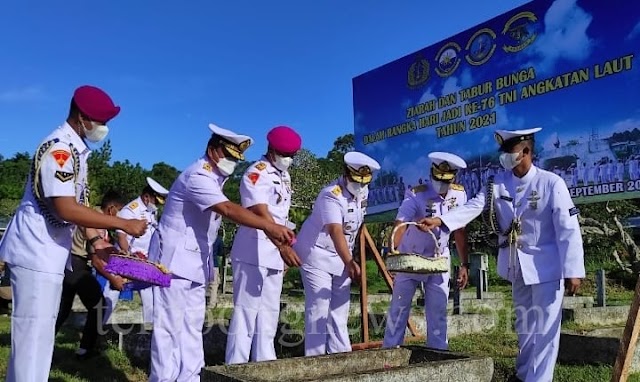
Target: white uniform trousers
327 300
538 311
177 352
256 310
111 297
36 301
436 294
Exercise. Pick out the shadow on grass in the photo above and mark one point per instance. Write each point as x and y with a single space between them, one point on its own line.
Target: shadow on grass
98 368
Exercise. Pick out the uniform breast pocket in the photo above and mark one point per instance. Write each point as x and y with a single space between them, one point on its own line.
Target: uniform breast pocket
191 244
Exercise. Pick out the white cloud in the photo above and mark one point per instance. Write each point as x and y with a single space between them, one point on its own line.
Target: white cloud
565 35
26 94
634 32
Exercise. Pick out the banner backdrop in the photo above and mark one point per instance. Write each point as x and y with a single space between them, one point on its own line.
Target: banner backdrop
567 66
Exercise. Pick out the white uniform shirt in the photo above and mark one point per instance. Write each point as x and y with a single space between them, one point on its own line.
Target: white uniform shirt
30 241
423 202
188 228
137 210
550 245
336 205
262 184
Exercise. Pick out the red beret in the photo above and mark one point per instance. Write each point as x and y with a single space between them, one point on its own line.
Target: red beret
284 139
95 103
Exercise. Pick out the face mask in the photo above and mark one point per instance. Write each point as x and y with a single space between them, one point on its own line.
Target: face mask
97 133
357 189
282 163
510 160
151 207
440 187
226 166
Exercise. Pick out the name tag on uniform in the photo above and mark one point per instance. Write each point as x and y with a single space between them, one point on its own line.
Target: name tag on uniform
350 210
276 182
574 211
507 198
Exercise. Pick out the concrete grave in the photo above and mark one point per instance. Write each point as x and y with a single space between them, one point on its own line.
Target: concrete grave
404 364
598 346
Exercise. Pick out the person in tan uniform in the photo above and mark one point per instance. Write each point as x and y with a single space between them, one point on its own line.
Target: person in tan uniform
81 281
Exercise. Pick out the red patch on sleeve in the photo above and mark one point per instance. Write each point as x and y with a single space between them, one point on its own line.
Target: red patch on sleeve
253 177
61 157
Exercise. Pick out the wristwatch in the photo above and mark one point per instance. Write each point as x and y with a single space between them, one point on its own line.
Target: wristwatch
94 239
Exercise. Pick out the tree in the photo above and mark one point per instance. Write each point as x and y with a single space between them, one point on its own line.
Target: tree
164 174
341 146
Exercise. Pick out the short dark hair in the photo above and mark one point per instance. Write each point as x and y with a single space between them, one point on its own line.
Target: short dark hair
74 110
148 190
111 198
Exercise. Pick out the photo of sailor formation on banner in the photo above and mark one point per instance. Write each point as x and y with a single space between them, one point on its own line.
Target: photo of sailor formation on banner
589 166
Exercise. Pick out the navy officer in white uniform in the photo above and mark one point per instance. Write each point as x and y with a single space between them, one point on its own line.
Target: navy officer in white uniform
37 242
258 264
540 243
145 207
183 243
428 200
325 245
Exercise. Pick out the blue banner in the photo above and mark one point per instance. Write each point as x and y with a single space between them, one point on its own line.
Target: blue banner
567 66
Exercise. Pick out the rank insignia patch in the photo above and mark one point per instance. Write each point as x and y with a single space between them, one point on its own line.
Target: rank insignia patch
336 190
261 166
61 157
207 167
64 176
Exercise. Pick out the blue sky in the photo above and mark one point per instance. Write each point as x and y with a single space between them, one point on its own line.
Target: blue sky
570 35
174 66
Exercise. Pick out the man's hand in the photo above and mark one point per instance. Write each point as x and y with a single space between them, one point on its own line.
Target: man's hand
571 286
354 271
136 227
463 277
427 224
279 234
289 256
117 283
104 251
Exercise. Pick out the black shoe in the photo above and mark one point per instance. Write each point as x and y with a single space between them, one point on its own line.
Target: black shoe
514 378
88 355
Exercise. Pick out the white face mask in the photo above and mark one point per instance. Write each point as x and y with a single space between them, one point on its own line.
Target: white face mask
510 160
226 166
151 207
282 163
97 133
357 189
440 187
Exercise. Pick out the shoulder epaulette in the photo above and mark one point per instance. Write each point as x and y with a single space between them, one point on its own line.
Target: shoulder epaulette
132 205
336 190
418 189
457 187
260 166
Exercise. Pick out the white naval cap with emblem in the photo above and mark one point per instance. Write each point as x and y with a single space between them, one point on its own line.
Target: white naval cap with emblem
158 189
509 138
360 166
444 166
234 144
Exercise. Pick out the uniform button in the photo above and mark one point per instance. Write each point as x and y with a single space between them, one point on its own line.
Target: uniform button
519 246
518 204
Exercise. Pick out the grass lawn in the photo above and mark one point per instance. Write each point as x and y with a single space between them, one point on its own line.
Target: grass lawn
499 343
